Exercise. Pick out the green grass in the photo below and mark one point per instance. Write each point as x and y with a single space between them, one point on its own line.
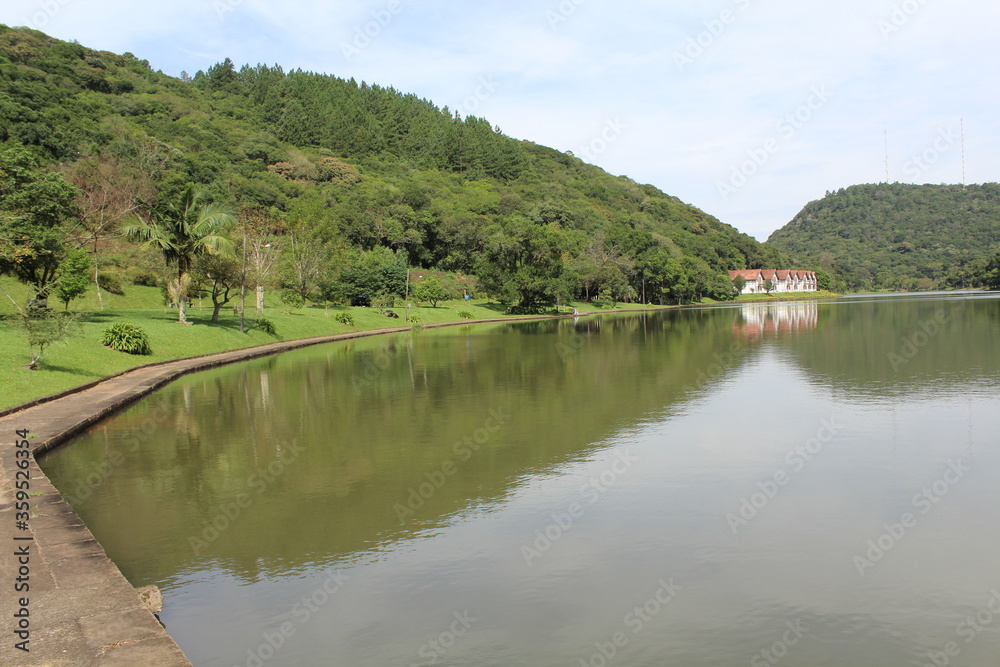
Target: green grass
786 296
82 358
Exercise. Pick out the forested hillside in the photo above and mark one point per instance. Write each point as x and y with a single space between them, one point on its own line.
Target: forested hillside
331 176
900 237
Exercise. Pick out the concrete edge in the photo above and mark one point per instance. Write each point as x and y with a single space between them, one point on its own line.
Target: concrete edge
252 352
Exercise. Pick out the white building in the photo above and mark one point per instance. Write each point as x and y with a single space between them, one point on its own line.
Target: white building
781 280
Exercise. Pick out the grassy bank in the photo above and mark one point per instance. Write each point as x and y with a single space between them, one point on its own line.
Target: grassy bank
82 358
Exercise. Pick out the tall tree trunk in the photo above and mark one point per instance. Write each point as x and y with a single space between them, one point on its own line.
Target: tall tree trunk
260 297
183 281
97 269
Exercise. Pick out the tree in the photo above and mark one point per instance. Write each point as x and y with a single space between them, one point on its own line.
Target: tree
430 289
260 234
739 284
35 206
221 277
109 192
378 271
183 232
43 328
991 276
311 250
768 286
522 263
72 279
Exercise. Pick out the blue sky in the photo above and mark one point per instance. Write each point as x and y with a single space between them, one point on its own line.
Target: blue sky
747 109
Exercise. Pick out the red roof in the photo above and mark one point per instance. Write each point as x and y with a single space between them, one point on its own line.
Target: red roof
772 274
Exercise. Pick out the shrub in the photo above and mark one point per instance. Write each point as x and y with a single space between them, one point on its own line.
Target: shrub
110 283
530 309
416 319
345 318
266 325
465 315
292 298
383 301
145 279
431 289
126 337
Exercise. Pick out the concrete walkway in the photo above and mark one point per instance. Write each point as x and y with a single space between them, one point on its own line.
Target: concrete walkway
81 611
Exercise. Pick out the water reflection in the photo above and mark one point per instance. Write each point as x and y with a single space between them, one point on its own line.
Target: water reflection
765 319
419 467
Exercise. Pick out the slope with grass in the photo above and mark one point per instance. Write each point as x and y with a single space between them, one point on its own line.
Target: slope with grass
377 167
82 358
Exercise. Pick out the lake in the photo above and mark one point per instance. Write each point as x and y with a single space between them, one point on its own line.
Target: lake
797 484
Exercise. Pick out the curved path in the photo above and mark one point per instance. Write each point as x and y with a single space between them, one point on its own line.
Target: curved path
81 611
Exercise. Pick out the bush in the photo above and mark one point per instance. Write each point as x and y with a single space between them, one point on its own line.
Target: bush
292 298
144 279
345 318
110 283
416 319
127 338
465 315
431 289
383 301
531 309
266 325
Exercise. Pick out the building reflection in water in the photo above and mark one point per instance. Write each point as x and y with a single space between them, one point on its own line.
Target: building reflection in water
757 320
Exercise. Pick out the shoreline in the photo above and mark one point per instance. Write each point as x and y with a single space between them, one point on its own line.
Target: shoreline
82 609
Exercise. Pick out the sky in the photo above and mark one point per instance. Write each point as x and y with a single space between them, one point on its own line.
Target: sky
747 109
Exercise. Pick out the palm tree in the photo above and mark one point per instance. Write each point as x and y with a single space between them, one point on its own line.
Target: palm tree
183 233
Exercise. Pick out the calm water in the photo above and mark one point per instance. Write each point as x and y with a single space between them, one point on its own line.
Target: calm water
808 484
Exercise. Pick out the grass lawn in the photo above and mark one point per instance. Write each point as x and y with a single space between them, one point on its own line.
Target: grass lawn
82 358
786 296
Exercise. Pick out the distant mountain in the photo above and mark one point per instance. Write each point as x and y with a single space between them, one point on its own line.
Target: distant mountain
377 167
898 236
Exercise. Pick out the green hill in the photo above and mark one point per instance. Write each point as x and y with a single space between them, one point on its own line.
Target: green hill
370 167
898 236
